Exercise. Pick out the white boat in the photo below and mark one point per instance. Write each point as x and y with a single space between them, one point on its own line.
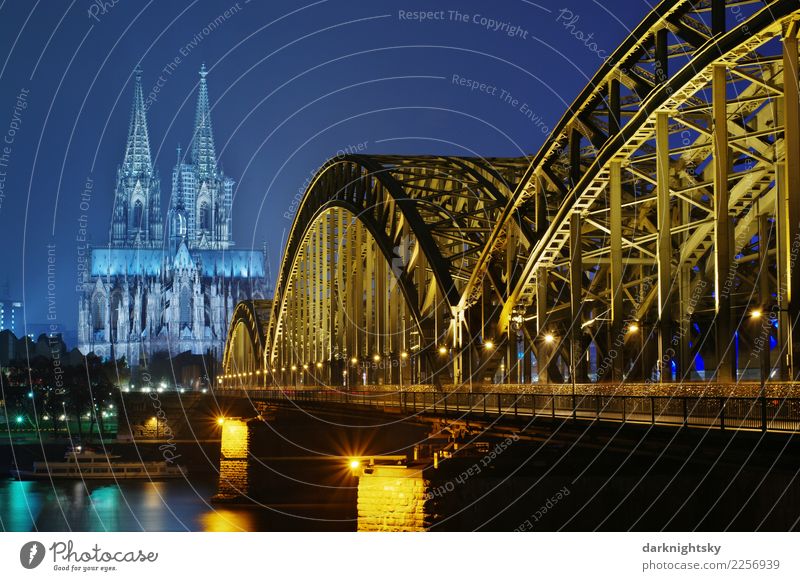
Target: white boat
85 463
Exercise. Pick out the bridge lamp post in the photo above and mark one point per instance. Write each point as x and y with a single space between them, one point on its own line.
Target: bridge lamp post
634 328
488 347
294 375
403 358
354 364
443 351
376 359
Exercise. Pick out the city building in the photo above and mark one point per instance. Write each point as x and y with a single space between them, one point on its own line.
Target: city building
11 316
150 290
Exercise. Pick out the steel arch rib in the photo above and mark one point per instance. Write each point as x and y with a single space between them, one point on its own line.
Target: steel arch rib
317 199
662 97
246 313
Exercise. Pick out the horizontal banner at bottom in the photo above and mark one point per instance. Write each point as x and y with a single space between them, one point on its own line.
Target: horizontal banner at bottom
391 556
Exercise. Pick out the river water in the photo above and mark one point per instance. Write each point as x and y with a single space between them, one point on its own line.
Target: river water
170 505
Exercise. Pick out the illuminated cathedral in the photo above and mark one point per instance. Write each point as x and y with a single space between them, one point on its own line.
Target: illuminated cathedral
148 290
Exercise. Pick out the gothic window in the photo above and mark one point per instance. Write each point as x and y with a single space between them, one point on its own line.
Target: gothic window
98 312
181 225
205 217
186 306
138 211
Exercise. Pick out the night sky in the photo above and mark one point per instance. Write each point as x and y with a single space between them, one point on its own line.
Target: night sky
291 84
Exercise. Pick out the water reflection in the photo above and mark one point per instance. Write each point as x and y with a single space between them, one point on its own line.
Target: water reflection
227 521
82 506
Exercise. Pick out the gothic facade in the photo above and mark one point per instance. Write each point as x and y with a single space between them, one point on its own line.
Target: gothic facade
148 290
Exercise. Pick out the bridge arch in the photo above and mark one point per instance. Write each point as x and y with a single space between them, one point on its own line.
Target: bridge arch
664 188
245 343
397 237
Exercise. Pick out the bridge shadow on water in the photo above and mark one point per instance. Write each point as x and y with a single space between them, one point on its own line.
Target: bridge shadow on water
561 476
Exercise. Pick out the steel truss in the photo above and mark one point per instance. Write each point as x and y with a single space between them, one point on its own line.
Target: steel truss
653 236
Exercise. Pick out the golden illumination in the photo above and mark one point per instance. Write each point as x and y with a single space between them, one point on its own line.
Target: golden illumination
220 421
756 313
305 365
404 355
294 367
633 328
549 338
354 360
488 345
443 350
319 365
355 464
376 357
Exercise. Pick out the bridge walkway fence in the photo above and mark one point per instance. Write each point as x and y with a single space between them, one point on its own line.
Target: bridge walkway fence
724 413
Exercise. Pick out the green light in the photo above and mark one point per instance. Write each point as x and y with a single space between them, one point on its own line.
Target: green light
20 419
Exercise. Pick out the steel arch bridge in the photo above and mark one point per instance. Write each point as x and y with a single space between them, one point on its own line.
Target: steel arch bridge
654 236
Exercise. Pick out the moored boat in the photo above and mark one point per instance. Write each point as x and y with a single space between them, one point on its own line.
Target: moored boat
88 464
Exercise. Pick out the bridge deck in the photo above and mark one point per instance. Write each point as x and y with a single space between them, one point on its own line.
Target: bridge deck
725 413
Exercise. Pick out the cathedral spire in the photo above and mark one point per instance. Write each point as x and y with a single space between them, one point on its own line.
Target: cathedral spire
137 151
203 153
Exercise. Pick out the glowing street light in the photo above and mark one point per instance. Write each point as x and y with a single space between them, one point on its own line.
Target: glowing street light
404 355
549 338
442 350
220 420
319 365
633 328
756 313
354 360
376 357
488 345
355 464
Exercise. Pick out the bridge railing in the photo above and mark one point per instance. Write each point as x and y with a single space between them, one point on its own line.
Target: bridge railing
704 389
725 413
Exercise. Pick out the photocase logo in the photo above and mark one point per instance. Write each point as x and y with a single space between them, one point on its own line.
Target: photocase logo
31 554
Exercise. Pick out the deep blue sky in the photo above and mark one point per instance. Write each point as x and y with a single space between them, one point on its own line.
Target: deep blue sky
291 84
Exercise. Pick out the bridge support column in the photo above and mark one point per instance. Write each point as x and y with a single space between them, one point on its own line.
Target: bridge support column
664 250
722 228
789 206
577 359
686 307
616 344
543 349
764 329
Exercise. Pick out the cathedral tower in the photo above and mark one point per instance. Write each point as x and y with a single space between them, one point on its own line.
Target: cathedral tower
137 198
